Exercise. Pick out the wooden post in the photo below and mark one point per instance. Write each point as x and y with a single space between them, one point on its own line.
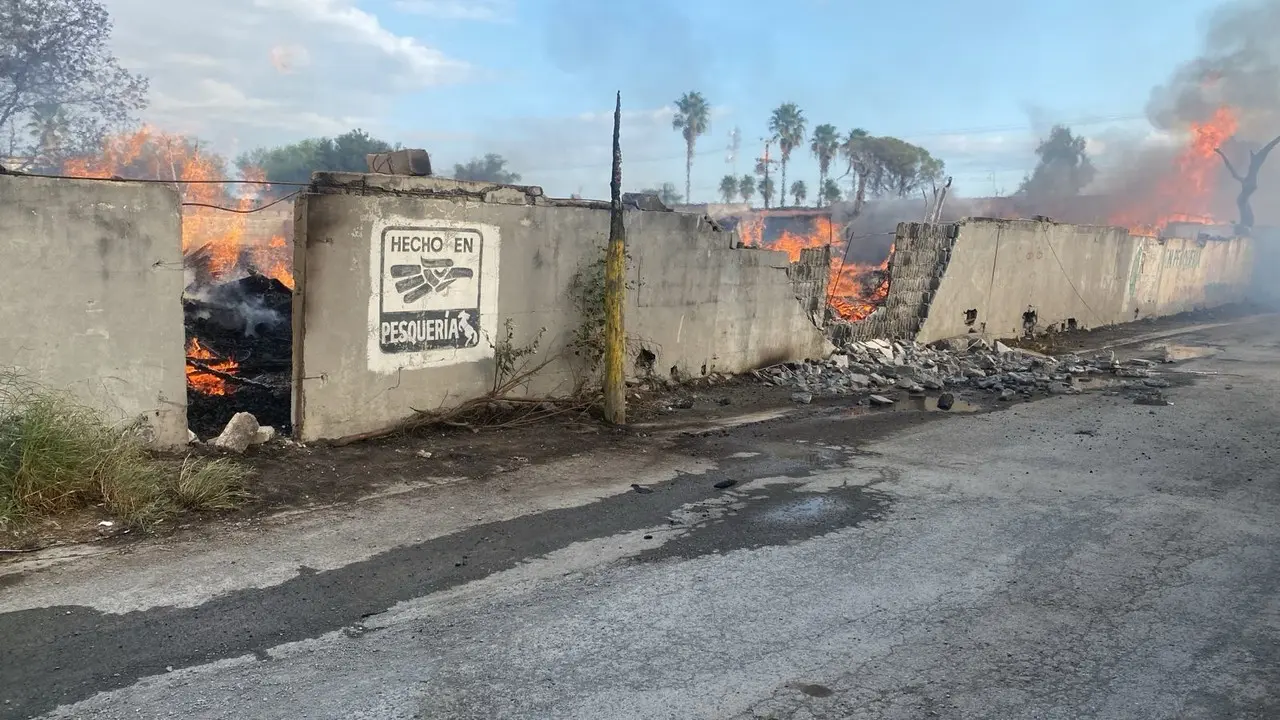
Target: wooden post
615 336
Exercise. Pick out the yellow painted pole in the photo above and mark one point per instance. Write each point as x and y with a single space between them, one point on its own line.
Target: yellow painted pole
615 286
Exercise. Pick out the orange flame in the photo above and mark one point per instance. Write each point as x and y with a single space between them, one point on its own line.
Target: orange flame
202 381
855 290
1186 194
151 154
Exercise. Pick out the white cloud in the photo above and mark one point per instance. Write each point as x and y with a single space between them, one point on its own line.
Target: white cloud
473 10
244 73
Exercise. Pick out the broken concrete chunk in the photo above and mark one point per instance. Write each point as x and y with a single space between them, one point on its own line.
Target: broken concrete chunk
239 433
803 398
880 400
1003 349
1007 394
191 437
400 162
265 434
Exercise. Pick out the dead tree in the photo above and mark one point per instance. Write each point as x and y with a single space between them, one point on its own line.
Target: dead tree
1248 182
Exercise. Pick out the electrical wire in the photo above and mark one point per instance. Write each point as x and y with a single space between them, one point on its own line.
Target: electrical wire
1069 282
244 212
168 182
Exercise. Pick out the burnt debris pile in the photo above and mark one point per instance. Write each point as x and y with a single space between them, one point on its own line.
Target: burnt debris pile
239 352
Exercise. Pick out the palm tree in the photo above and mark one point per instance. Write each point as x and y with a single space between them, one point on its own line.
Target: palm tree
728 188
825 145
766 190
746 188
799 192
48 128
693 116
787 125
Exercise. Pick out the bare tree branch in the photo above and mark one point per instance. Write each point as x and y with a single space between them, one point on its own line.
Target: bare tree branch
1230 168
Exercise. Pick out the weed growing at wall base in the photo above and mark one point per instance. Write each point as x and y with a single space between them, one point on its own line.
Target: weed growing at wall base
58 456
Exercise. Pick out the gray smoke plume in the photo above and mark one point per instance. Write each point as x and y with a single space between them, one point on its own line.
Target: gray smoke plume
1238 67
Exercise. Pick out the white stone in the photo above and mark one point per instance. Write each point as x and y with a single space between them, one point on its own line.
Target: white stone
239 433
265 434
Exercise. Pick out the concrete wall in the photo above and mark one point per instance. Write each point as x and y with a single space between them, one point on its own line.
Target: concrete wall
696 303
93 281
1001 275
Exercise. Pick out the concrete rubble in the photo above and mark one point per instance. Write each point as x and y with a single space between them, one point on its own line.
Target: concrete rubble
880 367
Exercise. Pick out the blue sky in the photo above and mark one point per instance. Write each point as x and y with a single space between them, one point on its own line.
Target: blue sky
974 82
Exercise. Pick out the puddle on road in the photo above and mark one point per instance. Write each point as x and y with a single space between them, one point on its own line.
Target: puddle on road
1179 353
806 510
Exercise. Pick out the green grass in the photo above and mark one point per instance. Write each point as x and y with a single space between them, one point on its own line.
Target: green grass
58 456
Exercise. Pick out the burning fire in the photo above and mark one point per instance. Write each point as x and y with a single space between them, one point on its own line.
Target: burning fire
1186 194
220 236
201 380
855 290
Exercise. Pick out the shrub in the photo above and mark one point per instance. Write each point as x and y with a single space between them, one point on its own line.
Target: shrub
57 455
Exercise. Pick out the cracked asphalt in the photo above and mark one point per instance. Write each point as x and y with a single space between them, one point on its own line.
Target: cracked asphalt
1080 556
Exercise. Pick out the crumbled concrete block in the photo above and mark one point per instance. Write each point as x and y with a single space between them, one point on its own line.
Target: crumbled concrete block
880 400
803 398
239 433
411 161
265 434
192 438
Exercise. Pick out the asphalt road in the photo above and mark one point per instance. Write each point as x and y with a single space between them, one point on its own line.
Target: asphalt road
1080 556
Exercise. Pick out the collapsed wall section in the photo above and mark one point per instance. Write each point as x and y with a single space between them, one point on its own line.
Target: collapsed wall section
921 255
1005 278
93 283
408 286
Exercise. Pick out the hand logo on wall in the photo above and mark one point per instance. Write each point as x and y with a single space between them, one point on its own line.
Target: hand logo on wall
415 282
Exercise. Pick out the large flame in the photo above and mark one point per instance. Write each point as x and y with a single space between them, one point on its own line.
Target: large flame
855 290
1186 193
222 237
202 381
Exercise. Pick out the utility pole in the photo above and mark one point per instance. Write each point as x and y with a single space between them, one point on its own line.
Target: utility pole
615 337
762 168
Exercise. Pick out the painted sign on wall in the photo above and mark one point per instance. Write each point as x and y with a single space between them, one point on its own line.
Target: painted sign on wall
434 296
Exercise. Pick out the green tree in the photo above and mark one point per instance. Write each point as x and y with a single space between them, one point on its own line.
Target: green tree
746 188
490 168
667 193
728 188
830 192
56 54
692 118
1063 168
887 166
857 150
825 145
295 162
787 125
799 191
904 167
